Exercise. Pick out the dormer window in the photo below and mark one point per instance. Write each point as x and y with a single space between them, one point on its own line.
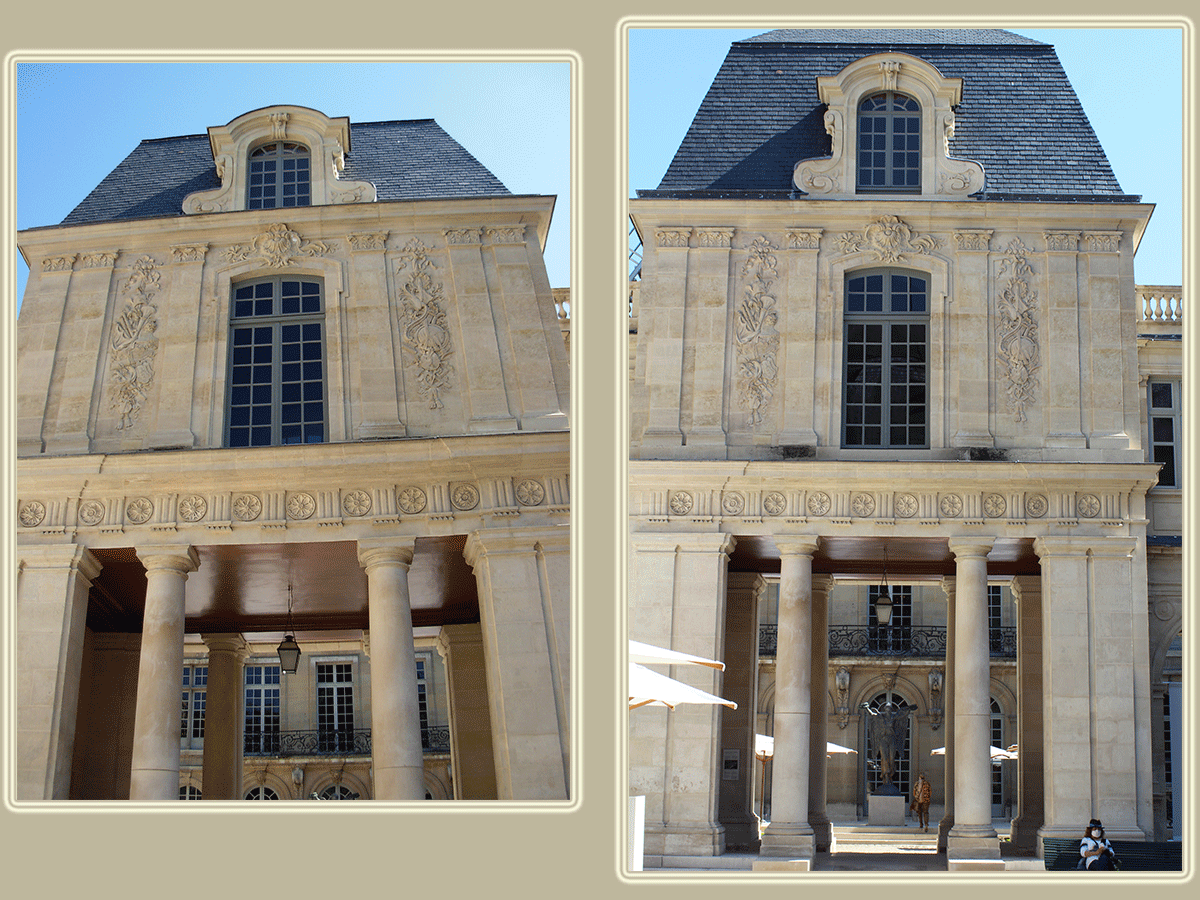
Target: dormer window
889 144
279 176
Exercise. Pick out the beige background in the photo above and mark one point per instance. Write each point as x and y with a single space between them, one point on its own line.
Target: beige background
319 851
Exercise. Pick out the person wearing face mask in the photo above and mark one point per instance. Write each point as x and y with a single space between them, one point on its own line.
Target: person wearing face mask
1096 853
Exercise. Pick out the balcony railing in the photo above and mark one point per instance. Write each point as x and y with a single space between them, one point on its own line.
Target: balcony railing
1160 303
348 742
926 642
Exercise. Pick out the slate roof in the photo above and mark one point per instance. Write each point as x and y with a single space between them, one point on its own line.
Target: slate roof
405 160
1019 116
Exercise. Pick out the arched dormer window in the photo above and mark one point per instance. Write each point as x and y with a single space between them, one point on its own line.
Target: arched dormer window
279 175
889 144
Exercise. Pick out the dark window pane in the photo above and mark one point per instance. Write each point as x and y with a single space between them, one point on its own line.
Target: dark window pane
1160 395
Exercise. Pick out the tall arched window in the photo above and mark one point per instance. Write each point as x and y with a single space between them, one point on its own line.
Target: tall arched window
997 765
886 317
278 176
261 793
889 144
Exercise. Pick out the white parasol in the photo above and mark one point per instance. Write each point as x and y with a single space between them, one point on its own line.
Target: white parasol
647 654
764 747
995 752
647 686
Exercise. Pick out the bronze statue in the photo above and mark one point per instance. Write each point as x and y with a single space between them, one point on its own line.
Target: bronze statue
886 728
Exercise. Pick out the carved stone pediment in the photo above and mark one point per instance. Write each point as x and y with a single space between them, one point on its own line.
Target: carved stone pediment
327 140
942 175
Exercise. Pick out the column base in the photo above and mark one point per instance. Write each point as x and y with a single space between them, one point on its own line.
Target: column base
973 842
1025 835
944 827
822 832
793 840
684 840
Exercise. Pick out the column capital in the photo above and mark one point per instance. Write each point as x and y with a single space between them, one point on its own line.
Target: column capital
453 636
797 544
549 539
231 642
59 556
948 586
1116 546
180 558
682 542
967 547
391 552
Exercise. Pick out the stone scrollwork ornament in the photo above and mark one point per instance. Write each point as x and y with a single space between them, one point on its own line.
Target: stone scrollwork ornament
134 344
1017 349
755 335
277 247
888 238
425 336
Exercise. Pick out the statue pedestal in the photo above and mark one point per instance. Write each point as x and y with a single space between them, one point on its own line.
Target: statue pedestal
885 809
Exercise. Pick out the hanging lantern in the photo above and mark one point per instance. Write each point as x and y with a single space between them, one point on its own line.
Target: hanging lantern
289 650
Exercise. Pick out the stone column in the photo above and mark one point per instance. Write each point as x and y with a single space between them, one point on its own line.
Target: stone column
523 580
471 757
947 822
51 612
154 771
399 768
972 835
677 588
224 716
789 833
818 734
1027 590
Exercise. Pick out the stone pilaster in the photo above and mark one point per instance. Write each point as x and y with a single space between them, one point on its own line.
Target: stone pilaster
740 684
154 770
818 769
178 333
471 757
522 575
399 771
374 361
1027 590
51 614
947 822
677 586
970 381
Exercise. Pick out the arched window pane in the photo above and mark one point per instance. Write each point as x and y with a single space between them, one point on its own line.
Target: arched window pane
889 144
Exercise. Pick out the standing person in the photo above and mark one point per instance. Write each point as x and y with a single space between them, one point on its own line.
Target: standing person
1095 852
921 795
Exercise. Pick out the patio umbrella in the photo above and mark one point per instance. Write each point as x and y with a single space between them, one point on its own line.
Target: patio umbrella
994 752
764 747
647 686
649 654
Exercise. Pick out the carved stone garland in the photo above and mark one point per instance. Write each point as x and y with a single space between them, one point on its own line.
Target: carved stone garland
1017 349
277 247
424 335
133 343
754 332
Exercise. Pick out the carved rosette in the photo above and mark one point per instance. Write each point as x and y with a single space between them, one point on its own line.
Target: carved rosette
994 505
1017 350
1036 506
192 508
133 343
424 334
755 335
681 503
247 507
91 512
138 510
278 247
905 505
300 505
774 503
530 493
1088 506
863 505
464 496
951 506
411 499
732 503
357 503
32 514
888 238
818 503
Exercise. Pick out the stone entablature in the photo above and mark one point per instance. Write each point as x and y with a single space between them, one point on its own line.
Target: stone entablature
327 140
1031 336
125 348
906 499
942 176
479 482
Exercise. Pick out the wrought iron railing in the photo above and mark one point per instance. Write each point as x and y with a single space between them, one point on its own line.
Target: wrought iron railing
853 640
347 742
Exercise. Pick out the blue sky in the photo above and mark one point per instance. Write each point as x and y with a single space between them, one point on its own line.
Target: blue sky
77 121
1129 81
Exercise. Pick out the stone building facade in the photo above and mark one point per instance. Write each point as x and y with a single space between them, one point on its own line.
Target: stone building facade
887 323
294 372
